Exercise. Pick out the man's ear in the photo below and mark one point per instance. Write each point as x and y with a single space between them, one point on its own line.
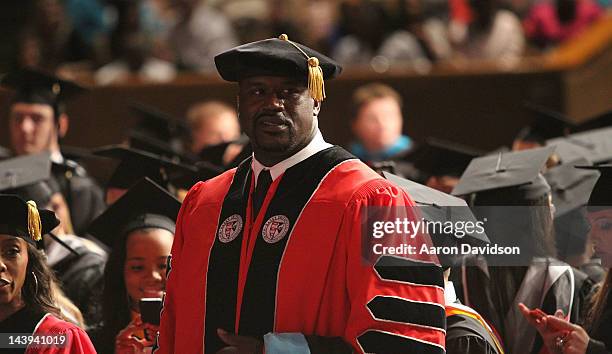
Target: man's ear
62 125
316 108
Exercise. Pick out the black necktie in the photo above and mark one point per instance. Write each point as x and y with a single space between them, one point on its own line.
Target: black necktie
263 183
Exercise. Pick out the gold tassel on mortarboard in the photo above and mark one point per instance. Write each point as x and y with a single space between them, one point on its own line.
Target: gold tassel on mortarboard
316 84
34 223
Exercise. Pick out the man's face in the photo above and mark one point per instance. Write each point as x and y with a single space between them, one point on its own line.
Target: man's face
32 127
378 124
277 113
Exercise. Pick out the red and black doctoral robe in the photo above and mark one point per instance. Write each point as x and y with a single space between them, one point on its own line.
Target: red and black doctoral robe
298 267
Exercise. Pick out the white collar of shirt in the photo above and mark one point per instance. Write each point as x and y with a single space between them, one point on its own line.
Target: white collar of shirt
57 157
450 296
316 144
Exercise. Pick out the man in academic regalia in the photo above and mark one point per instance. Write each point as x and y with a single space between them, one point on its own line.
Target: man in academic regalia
37 122
269 256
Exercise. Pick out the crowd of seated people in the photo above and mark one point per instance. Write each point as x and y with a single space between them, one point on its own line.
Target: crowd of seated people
155 39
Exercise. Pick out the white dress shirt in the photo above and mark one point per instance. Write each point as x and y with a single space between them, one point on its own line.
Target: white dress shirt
316 144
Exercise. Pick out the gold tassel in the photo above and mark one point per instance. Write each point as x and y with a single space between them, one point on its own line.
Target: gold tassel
316 84
34 223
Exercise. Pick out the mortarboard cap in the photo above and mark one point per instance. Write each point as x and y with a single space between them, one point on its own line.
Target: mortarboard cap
29 177
214 153
145 205
595 145
24 219
437 157
510 176
601 195
205 171
602 120
436 206
158 124
35 86
76 153
570 187
545 124
40 192
136 164
4 153
171 149
278 57
24 170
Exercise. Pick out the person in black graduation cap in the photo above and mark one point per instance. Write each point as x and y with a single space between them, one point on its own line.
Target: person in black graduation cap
467 332
139 228
37 123
512 195
136 164
596 336
159 133
595 145
570 188
77 262
228 154
29 303
601 120
297 199
441 162
545 124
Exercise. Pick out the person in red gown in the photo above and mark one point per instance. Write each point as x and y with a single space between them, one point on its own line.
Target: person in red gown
270 255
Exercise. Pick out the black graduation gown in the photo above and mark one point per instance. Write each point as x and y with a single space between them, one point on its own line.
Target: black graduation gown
465 335
22 321
81 277
84 196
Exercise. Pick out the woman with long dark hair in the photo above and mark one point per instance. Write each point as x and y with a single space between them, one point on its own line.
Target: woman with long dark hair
28 301
140 229
561 336
515 201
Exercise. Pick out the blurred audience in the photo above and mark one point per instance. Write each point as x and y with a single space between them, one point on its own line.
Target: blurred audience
421 36
132 49
363 26
153 39
48 39
493 33
200 33
553 22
